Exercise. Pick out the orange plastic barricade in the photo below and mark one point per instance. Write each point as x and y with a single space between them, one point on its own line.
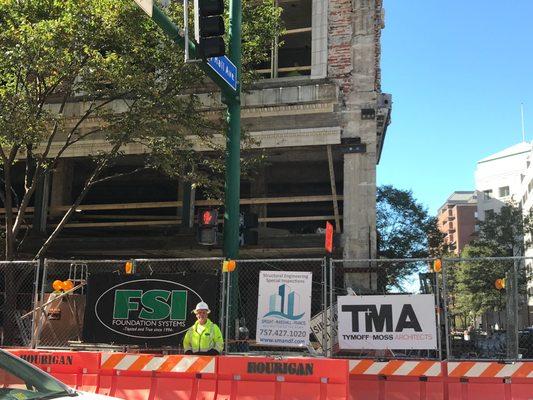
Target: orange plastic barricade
184 377
67 366
105 382
60 361
147 376
472 380
134 385
274 379
90 380
395 379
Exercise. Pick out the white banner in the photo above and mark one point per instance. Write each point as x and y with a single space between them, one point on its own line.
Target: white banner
394 322
284 308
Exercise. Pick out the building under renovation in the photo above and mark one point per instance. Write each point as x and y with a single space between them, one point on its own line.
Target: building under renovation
319 114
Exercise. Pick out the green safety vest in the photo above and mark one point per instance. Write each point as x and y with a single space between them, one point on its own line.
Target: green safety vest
210 338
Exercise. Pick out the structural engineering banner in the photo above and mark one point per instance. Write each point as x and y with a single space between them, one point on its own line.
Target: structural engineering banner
284 308
393 322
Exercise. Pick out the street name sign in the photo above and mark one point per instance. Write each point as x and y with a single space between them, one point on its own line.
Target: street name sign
225 69
146 5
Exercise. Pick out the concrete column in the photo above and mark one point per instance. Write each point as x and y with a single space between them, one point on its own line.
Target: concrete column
319 39
359 206
61 185
359 234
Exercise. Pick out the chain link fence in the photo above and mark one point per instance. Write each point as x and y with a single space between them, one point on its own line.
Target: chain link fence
487 308
242 305
18 286
481 305
60 319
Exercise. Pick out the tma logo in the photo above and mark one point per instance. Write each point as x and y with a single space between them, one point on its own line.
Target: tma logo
284 304
154 305
382 319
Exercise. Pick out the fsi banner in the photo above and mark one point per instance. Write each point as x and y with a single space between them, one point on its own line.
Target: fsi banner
153 309
284 308
387 322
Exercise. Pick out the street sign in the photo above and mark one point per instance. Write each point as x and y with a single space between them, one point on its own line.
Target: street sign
225 69
146 5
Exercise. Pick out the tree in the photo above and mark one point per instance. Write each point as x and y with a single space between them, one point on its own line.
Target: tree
131 86
507 232
501 234
405 230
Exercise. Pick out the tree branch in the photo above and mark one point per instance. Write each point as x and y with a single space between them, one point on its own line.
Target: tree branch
91 180
121 175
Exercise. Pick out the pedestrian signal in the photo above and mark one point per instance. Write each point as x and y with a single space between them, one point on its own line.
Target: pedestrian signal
207 227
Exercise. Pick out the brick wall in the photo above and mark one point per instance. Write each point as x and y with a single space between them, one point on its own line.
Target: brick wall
354 48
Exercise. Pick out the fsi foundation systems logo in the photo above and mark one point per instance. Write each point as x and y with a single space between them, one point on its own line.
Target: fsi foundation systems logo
284 304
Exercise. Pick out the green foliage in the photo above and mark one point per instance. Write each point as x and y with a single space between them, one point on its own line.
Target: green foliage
471 281
405 230
75 70
505 231
474 281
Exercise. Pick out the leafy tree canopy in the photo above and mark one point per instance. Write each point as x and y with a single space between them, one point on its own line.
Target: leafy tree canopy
472 283
101 70
405 230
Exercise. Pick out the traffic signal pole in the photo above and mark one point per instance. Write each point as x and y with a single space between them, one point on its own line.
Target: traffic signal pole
233 140
231 96
232 99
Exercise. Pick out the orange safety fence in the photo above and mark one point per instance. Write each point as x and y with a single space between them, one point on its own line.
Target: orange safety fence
155 377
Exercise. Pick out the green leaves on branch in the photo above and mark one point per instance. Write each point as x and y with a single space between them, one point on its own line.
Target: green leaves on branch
101 70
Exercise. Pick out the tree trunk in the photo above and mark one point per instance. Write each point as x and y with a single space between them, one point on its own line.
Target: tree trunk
10 239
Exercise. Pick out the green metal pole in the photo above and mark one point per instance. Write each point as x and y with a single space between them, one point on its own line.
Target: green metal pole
233 140
233 169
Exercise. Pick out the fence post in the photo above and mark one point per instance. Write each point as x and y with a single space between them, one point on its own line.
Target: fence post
439 330
223 309
324 308
35 304
41 314
512 311
331 310
446 311
227 313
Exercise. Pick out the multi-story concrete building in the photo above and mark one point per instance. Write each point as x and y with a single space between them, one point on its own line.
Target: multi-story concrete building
499 178
526 202
319 114
507 176
457 219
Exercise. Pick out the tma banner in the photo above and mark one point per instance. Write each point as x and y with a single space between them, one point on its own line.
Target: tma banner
284 308
393 322
137 309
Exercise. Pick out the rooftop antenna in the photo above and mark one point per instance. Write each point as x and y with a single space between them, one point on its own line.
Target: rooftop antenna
523 129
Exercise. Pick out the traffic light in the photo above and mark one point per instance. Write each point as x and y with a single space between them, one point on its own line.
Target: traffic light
248 222
207 227
209 27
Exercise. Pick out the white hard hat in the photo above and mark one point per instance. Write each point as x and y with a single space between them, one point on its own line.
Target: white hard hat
202 306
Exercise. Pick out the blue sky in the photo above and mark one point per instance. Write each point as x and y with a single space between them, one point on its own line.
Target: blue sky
458 71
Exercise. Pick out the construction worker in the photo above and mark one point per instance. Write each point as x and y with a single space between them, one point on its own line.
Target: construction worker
204 337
